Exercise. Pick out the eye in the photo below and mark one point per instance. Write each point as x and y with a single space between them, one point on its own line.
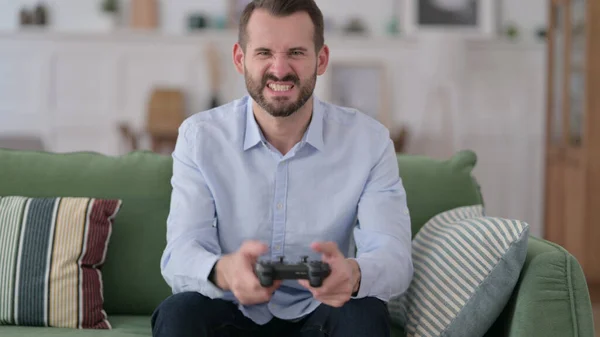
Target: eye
262 53
297 53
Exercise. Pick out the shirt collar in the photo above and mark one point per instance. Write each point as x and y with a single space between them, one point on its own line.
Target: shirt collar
253 133
313 135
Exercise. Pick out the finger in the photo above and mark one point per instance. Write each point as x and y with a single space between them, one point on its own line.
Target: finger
262 292
334 300
253 249
254 284
254 293
275 286
306 284
254 297
329 249
329 286
318 292
249 278
333 292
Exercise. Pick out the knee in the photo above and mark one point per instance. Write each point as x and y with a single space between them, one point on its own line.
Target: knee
365 317
369 309
181 302
179 307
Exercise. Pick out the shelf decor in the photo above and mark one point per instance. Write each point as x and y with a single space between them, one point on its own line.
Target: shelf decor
476 18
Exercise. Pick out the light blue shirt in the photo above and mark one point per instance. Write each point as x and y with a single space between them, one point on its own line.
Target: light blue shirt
339 183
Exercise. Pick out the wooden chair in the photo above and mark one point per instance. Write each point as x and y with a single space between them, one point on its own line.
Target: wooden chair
166 112
400 140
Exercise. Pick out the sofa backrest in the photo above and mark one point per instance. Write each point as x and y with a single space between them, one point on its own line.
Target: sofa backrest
132 280
133 284
434 186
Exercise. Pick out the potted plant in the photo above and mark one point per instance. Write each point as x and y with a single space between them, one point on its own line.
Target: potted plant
110 8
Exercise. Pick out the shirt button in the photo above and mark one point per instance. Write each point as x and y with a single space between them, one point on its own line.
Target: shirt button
279 206
277 247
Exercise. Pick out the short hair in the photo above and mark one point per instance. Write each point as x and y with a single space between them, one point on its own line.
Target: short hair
283 8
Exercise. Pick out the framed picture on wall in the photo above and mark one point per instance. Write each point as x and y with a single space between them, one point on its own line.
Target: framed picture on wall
469 17
236 7
360 85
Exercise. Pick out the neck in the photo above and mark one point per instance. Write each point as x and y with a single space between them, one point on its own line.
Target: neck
284 132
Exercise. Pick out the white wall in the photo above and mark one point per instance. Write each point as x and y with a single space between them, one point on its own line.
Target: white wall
84 15
74 88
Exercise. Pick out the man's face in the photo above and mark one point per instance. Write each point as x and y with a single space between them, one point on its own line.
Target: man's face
280 64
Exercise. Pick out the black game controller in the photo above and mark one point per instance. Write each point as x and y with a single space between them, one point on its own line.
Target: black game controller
313 271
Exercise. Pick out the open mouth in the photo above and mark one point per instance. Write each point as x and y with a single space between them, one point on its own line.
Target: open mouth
280 88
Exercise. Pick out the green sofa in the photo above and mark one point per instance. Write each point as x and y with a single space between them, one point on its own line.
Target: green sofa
551 297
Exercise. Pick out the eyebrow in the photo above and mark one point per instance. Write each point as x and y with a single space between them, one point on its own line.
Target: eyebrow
298 49
262 49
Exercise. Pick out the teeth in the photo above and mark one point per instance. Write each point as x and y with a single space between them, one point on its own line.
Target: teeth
279 87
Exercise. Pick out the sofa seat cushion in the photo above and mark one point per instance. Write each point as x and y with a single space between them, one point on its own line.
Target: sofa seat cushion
122 326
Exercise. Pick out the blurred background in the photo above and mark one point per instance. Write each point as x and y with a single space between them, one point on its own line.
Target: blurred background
112 76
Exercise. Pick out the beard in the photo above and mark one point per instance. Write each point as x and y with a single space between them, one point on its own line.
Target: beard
280 106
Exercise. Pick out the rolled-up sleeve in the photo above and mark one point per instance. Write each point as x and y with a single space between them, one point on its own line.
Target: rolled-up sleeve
383 233
192 244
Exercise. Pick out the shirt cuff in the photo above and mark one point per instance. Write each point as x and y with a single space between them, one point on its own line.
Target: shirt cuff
369 273
207 288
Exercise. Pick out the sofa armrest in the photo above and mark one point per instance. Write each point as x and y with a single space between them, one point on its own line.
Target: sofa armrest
550 299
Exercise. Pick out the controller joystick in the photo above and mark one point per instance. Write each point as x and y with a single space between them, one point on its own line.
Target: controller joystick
313 271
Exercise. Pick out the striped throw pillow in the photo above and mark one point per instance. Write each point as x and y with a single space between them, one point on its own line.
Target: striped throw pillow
51 252
466 266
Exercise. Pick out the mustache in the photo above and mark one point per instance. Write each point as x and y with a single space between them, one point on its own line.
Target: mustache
287 78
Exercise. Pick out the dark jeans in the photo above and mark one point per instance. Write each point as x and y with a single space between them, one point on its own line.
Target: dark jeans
191 314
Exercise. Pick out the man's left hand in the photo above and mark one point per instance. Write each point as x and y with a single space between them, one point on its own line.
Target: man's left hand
343 280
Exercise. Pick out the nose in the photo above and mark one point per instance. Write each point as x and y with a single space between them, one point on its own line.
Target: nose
280 66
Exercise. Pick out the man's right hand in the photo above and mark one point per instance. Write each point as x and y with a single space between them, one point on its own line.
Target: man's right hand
235 272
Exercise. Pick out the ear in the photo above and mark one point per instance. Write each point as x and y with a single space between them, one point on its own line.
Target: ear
238 58
323 60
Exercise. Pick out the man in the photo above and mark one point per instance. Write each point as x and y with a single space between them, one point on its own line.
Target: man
280 173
